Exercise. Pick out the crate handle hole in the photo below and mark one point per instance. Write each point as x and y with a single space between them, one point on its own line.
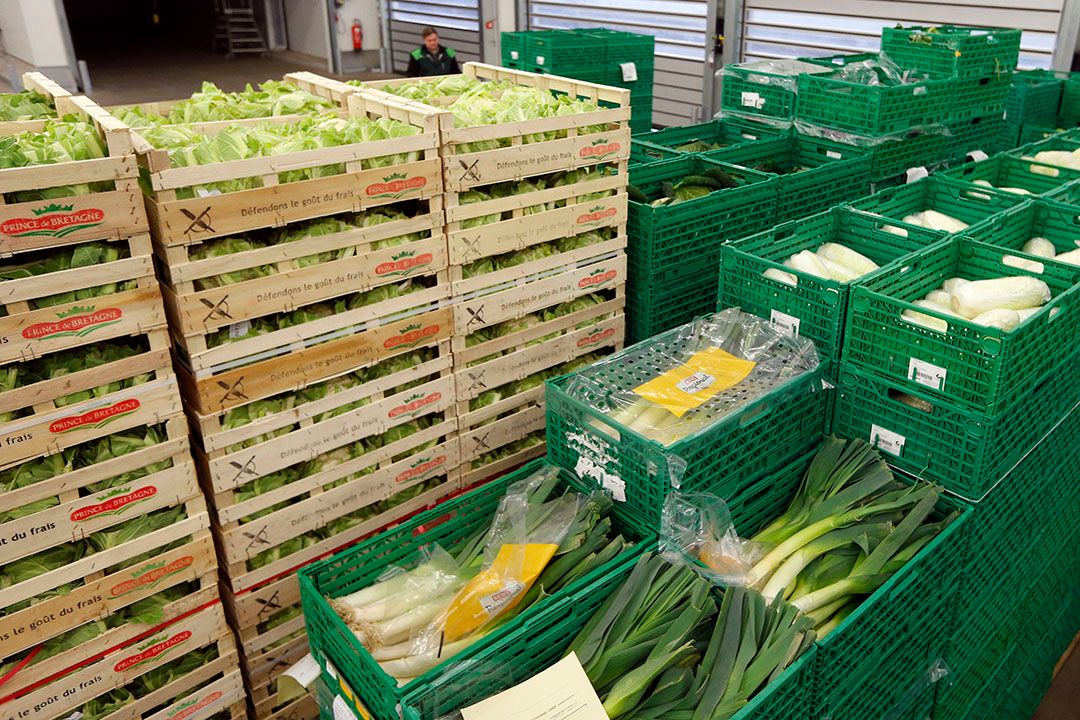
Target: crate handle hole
754 414
911 401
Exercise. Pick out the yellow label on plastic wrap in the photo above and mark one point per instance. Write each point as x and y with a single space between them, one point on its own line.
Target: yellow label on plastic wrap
698 379
498 589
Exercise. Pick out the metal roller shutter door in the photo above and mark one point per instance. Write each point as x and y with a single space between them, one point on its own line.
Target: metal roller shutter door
786 28
457 22
679 27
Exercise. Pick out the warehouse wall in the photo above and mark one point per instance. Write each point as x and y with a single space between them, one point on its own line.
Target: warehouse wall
307 24
31 32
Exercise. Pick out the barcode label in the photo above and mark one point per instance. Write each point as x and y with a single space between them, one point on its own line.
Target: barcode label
886 440
753 99
928 374
787 323
240 329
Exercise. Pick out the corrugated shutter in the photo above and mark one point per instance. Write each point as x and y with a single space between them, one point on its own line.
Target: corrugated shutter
679 27
457 22
787 28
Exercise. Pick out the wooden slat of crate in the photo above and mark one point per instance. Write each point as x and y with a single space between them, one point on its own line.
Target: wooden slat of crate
62 221
470 473
42 85
239 542
263 666
249 610
239 582
324 87
147 404
204 311
176 222
192 562
63 695
30 334
377 338
528 293
526 361
225 696
527 229
228 471
305 708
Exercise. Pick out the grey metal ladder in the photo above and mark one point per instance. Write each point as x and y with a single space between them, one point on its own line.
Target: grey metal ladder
236 31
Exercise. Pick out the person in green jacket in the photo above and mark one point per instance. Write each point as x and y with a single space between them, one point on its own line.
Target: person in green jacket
432 58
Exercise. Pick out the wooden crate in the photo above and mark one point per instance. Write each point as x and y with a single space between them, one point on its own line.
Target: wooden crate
313 505
216 681
194 563
116 213
180 222
286 360
527 229
587 139
305 708
43 86
195 313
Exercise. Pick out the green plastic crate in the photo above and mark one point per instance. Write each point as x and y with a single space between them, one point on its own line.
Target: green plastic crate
457 681
766 89
964 202
730 136
623 46
1059 141
667 298
963 450
976 97
763 437
986 370
1036 133
981 134
512 46
558 52
1060 224
809 179
829 101
890 156
691 232
1003 171
951 50
1069 112
1068 193
643 152
815 307
1034 97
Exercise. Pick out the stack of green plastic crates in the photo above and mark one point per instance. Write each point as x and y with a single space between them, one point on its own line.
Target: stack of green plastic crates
1032 106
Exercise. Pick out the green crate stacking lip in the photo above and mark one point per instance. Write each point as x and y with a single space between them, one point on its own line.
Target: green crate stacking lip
1060 224
963 202
890 156
981 134
767 88
643 152
764 436
979 97
666 298
729 137
983 369
549 51
1034 97
1066 194
1005 171
1010 136
1036 133
951 50
964 450
1061 141
625 46
692 231
816 306
513 49
1069 112
829 101
809 179
358 566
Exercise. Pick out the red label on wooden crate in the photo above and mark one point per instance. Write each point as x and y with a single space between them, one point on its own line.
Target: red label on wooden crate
404 263
77 325
395 186
113 504
596 215
596 338
53 220
423 468
152 576
597 278
152 651
414 405
95 418
194 706
411 335
600 148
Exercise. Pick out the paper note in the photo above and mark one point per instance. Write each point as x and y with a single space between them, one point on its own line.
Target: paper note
562 692
706 373
297 680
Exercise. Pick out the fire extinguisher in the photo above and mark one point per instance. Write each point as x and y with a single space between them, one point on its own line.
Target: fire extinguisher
357 36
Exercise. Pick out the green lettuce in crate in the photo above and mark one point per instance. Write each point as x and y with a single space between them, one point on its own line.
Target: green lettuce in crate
58 142
211 104
25 105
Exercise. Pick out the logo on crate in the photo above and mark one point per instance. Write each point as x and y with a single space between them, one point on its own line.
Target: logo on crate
411 336
395 186
53 221
95 418
600 149
219 309
403 263
74 322
269 606
234 391
151 575
596 336
413 405
596 215
189 707
476 381
470 171
597 277
114 502
199 223
421 468
151 649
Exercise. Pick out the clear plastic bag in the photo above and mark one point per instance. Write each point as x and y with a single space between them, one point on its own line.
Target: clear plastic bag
684 381
696 530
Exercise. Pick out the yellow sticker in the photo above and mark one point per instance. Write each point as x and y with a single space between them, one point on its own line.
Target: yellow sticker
698 379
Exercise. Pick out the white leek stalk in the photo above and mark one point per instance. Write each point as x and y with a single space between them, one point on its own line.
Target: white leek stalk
1041 247
999 318
1010 293
781 276
856 261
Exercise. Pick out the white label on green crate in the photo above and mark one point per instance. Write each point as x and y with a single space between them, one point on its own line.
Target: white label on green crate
921 90
886 440
513 54
928 374
753 99
240 329
586 468
977 156
341 710
629 71
916 173
539 59
833 154
788 323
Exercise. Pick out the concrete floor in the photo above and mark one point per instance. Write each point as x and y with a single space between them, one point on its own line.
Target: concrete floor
1062 701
